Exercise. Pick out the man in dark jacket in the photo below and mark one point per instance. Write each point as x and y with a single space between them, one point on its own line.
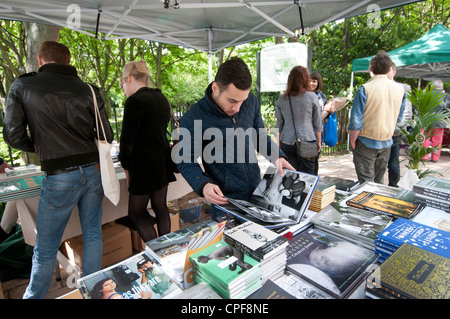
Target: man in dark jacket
225 129
57 108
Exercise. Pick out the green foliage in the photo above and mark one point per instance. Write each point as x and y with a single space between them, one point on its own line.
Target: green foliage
425 117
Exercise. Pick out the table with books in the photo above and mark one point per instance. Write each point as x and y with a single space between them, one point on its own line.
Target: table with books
301 237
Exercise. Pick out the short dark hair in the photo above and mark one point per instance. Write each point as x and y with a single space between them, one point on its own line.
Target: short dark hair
51 51
235 71
380 63
316 76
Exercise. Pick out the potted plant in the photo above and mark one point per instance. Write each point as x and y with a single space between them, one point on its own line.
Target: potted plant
421 124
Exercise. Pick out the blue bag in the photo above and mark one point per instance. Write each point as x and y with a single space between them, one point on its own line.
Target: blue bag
331 137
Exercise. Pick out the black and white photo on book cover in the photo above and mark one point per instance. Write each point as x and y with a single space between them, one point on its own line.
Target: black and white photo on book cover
278 200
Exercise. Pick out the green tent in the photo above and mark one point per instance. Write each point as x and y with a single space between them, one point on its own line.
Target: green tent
427 58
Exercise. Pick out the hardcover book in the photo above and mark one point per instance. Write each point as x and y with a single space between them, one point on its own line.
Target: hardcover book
334 265
342 184
277 201
139 277
407 231
385 205
411 273
385 190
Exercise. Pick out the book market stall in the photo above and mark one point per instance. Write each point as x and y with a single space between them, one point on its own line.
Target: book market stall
386 245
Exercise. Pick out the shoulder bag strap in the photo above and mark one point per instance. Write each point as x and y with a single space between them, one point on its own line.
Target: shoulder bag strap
97 114
293 120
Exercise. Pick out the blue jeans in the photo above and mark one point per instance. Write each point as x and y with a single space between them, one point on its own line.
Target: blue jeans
60 194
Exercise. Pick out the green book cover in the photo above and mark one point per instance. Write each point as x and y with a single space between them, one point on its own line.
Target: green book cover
225 264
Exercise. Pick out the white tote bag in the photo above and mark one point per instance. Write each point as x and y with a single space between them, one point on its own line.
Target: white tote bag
110 182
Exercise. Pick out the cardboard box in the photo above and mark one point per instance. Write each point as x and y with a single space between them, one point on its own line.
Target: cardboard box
116 245
190 208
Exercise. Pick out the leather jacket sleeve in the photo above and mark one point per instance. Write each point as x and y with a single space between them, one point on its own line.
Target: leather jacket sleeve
15 123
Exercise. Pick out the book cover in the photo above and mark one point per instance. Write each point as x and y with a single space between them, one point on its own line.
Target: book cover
433 186
334 265
352 222
340 183
278 200
423 236
300 288
385 205
225 265
255 240
385 190
433 217
433 202
270 290
412 273
138 277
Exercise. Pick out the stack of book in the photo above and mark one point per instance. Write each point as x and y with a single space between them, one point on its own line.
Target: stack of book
323 195
228 271
434 192
342 184
17 187
334 265
263 245
410 273
407 231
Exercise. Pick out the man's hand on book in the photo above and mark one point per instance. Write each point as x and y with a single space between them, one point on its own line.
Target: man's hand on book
213 194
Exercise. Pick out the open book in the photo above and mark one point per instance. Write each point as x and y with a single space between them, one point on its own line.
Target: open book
277 201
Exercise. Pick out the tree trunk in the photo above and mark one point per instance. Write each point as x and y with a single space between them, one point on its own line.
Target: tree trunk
35 35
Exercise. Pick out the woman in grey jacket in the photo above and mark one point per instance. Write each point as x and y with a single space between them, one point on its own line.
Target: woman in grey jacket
302 106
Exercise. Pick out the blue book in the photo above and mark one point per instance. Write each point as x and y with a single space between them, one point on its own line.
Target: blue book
407 231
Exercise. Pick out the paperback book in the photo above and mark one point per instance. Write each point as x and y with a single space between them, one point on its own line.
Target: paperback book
323 195
427 200
277 201
385 190
20 187
411 273
230 272
333 264
385 205
172 248
139 277
300 288
263 245
433 217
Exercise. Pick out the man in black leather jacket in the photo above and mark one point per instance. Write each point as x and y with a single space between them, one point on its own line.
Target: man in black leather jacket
57 108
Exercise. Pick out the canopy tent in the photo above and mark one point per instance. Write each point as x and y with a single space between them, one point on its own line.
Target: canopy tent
427 58
205 25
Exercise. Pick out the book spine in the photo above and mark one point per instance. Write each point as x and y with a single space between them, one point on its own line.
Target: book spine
431 192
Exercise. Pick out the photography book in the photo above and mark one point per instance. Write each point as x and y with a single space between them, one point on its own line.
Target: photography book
387 205
434 187
139 277
333 264
277 201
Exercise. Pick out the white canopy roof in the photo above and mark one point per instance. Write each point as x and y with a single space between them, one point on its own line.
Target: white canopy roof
205 25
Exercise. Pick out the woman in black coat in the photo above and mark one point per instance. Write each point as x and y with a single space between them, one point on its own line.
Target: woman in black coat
144 150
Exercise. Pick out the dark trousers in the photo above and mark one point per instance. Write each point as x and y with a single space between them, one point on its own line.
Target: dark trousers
394 161
300 164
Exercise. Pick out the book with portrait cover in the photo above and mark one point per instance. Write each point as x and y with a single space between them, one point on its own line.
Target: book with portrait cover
333 264
385 205
277 201
411 273
139 277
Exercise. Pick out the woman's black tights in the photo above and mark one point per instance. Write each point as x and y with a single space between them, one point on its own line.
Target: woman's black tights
143 221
